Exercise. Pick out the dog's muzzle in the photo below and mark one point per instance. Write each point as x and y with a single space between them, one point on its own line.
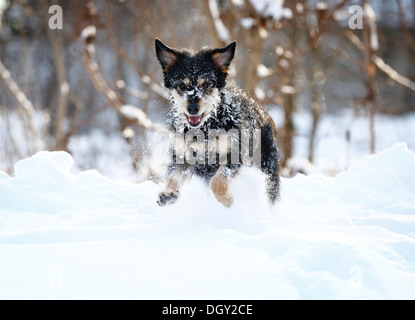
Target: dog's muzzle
193 117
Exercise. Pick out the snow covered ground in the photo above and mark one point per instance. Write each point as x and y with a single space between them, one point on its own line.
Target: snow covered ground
66 234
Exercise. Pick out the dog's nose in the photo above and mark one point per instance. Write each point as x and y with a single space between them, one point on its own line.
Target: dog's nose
193 109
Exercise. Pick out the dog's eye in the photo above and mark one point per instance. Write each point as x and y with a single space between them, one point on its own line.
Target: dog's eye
182 86
205 85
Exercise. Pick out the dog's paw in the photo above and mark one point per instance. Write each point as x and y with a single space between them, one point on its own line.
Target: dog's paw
167 198
226 201
220 188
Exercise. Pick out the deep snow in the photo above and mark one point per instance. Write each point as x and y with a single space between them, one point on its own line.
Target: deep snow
80 235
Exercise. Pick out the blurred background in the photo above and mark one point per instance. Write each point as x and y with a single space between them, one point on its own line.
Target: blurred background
93 87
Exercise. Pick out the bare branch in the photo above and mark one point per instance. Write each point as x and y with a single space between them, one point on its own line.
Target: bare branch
15 91
217 27
382 65
24 103
393 74
105 90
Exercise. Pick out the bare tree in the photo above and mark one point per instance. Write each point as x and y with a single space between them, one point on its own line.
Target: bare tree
283 61
371 45
58 52
24 108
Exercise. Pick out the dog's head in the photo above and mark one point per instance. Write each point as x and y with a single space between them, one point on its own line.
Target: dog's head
194 80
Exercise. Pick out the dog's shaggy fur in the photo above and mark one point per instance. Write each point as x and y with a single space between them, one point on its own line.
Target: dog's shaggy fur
202 99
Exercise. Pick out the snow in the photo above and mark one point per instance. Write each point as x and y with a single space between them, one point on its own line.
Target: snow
333 152
247 23
70 234
263 71
90 151
88 32
272 8
221 29
371 16
134 113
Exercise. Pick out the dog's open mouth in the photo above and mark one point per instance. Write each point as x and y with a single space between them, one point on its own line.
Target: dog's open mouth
194 121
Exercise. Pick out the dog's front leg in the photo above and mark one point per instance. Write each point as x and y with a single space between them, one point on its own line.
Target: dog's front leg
220 185
171 193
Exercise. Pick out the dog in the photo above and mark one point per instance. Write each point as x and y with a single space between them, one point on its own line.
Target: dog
206 107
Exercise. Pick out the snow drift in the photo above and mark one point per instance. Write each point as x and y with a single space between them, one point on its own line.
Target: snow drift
66 235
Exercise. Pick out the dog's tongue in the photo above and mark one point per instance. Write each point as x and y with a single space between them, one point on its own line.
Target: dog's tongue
195 119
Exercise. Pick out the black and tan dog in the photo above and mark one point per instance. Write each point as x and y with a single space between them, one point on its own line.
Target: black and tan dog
202 102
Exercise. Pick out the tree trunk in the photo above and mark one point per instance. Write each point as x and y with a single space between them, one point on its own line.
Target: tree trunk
370 80
58 52
255 50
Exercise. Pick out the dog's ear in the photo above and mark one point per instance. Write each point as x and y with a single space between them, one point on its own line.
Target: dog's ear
222 57
166 56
